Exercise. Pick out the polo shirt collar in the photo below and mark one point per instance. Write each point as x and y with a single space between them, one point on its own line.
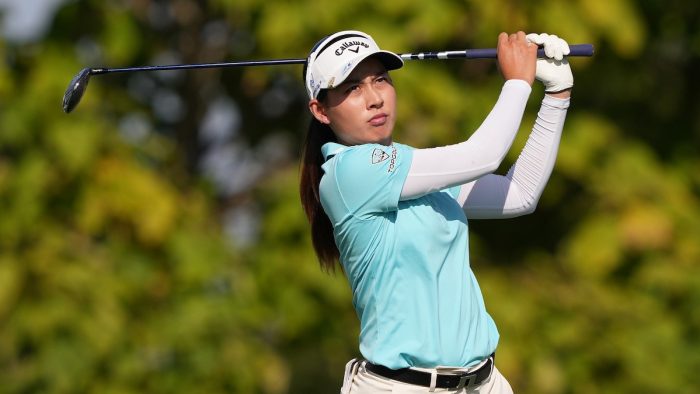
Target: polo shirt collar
330 149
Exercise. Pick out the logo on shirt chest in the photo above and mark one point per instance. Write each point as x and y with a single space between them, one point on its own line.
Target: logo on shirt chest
379 156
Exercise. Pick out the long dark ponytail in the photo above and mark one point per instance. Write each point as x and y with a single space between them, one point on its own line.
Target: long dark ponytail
311 160
311 172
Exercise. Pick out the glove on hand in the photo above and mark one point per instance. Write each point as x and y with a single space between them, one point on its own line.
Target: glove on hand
553 71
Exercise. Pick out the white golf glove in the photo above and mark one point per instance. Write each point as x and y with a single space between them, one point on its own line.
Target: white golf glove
554 70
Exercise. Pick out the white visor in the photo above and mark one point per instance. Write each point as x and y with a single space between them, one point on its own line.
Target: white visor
334 58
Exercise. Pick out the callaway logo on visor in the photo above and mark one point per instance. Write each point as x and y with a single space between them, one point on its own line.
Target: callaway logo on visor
344 45
352 46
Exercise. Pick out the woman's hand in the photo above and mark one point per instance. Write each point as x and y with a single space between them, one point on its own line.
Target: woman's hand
554 70
517 57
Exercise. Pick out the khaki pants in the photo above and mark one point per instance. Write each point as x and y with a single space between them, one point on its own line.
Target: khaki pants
358 380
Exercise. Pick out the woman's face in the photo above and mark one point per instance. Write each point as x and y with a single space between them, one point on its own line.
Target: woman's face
362 109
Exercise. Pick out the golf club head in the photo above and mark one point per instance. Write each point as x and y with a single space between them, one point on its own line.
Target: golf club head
76 89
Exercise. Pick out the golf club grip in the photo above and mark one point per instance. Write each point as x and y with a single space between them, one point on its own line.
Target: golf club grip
490 53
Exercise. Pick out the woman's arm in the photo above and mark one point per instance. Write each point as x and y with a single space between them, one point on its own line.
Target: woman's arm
486 148
517 193
438 168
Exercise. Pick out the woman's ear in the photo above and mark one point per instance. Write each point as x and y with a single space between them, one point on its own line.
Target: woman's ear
318 111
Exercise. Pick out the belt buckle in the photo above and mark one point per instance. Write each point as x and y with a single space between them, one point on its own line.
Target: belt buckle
463 380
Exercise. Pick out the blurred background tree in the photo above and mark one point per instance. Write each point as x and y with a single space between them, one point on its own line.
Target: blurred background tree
152 241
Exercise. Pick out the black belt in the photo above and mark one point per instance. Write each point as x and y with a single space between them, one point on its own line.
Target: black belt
420 378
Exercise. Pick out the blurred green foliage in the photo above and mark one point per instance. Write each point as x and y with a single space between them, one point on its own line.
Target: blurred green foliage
116 274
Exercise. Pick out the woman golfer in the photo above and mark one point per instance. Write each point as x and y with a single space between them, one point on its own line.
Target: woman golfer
395 217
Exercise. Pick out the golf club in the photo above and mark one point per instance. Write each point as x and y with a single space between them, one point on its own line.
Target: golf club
76 87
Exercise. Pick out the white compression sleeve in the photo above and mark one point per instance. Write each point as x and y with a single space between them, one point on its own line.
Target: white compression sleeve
438 168
517 193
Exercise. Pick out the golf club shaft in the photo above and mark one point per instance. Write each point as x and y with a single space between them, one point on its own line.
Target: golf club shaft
76 87
486 53
275 62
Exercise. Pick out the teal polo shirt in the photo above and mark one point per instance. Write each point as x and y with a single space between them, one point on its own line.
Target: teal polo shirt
407 262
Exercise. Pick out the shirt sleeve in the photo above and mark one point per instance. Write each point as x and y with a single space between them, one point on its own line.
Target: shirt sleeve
365 179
